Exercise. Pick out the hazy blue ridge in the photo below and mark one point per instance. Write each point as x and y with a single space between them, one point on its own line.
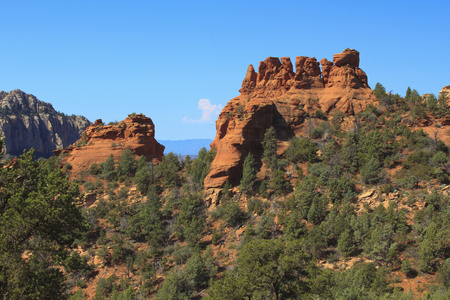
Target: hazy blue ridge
185 147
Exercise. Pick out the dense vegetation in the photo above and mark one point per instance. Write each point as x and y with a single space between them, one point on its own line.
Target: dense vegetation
39 221
356 208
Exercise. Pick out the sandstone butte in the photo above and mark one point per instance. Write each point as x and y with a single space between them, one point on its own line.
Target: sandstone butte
98 142
279 96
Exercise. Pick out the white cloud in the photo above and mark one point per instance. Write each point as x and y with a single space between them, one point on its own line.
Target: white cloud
209 112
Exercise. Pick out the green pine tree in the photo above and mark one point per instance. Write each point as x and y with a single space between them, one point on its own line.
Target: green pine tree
269 145
248 174
108 169
346 243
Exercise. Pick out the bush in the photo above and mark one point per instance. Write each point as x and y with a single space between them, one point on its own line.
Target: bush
89 186
439 159
301 150
339 188
78 265
371 172
105 287
320 114
346 243
182 254
190 220
108 169
407 269
144 177
127 164
255 205
444 273
279 184
317 132
168 168
200 166
233 214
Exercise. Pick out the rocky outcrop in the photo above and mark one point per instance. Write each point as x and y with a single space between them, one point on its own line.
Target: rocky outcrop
278 96
99 141
26 122
445 93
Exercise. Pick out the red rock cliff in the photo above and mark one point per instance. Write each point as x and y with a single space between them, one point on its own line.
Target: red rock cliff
99 141
279 96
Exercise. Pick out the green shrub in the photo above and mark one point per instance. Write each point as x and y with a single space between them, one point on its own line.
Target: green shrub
371 172
320 114
301 150
439 159
168 168
200 166
233 214
255 205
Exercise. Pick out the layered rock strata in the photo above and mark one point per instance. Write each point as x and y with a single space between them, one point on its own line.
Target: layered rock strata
279 96
98 142
445 93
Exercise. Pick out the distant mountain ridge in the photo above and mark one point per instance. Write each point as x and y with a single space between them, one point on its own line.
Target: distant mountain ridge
185 147
26 122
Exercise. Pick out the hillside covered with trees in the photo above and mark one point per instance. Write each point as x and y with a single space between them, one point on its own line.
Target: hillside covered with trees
357 207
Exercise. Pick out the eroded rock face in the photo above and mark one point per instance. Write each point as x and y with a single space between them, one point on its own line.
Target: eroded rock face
99 141
445 93
26 122
279 96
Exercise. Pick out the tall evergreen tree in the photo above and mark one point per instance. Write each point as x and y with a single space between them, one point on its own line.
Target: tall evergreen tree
168 168
127 164
371 171
270 148
379 91
144 175
408 94
248 174
200 166
108 168
346 243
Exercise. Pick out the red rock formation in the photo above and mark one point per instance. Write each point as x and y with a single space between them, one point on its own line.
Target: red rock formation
445 93
445 121
277 96
99 141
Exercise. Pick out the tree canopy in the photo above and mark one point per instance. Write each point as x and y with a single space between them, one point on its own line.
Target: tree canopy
39 217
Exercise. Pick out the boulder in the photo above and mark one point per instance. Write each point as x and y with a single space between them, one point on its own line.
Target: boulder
349 57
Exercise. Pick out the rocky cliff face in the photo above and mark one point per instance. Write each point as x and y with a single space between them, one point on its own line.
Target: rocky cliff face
26 122
279 96
98 142
445 93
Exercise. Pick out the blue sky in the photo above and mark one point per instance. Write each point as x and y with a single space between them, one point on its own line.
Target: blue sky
179 62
